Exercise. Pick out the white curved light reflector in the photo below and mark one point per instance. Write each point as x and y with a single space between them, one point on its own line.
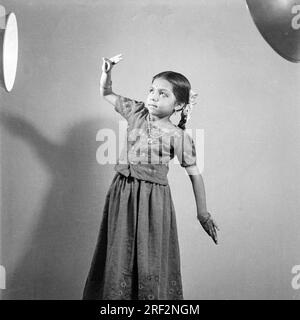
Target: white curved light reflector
10 51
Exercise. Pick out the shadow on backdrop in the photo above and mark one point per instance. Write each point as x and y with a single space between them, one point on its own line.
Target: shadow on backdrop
56 261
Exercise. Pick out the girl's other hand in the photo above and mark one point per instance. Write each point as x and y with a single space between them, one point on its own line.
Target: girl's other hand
210 226
108 64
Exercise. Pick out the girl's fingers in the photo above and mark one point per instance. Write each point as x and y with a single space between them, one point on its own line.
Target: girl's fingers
210 227
213 234
215 237
116 58
109 63
216 225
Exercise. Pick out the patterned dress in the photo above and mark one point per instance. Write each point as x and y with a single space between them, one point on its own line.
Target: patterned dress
137 253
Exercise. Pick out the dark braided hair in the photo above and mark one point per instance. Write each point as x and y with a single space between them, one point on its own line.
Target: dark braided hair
181 89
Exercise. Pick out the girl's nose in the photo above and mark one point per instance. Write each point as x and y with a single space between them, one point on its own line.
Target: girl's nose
154 96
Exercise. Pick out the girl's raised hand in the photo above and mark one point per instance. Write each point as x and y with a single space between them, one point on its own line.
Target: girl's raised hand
109 63
210 226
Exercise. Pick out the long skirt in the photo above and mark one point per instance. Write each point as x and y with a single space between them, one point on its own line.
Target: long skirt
137 253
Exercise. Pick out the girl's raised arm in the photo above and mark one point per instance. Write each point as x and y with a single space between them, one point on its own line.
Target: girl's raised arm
105 80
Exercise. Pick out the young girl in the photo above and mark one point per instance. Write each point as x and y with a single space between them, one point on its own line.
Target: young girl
137 253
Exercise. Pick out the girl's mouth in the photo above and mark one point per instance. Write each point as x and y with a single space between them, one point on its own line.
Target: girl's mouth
152 105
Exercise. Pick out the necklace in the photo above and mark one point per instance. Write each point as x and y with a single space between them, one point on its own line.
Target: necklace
153 132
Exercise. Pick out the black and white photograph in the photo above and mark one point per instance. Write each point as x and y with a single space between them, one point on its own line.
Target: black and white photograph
150 150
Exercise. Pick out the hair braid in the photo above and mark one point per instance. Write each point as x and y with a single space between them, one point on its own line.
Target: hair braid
183 120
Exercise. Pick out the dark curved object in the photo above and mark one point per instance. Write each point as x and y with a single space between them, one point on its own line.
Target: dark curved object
278 21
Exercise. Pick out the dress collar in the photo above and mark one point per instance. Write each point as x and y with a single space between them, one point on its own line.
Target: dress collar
160 122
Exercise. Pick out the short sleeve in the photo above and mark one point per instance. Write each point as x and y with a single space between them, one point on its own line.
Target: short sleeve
185 150
128 107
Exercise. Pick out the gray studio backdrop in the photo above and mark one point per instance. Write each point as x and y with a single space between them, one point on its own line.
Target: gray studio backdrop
53 189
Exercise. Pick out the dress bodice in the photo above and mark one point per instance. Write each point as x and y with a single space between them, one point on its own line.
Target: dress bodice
149 160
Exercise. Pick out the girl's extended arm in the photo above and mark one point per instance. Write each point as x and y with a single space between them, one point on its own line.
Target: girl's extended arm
105 80
203 215
200 197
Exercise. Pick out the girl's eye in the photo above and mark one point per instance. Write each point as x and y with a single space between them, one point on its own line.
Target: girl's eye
161 93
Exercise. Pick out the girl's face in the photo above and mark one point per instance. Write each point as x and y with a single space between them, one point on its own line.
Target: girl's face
161 100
